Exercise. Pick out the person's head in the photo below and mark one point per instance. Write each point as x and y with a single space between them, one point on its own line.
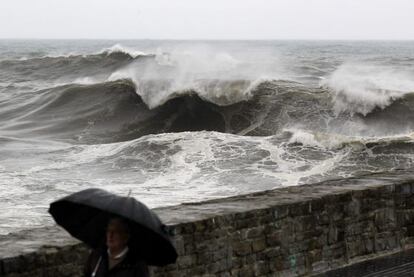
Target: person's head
117 234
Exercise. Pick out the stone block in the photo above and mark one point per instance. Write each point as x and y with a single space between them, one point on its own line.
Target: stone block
386 241
186 261
360 228
337 199
166 268
410 231
299 209
258 245
309 234
369 244
184 228
286 262
408 202
189 248
239 234
222 254
287 273
246 271
269 228
242 224
179 246
335 251
242 248
267 218
172 274
337 216
66 270
216 267
33 260
204 257
355 248
219 222
210 245
250 259
317 205
275 265
261 268
320 266
280 212
237 262
314 243
322 218
353 208
405 217
332 234
315 256
255 232
200 226
238 216
274 239
269 254
13 265
308 222
404 189
296 261
288 230
384 217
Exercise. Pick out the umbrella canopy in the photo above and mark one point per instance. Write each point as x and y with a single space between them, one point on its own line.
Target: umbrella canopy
85 216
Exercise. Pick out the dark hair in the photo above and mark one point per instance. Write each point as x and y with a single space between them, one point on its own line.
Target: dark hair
123 221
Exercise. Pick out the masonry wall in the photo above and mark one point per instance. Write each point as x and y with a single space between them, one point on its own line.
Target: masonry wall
296 231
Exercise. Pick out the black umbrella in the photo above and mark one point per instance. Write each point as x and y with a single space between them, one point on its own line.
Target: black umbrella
85 215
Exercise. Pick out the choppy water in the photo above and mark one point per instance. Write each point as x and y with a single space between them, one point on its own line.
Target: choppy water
180 121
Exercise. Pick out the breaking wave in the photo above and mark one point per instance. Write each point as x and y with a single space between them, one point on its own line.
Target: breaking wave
362 88
197 120
106 112
123 110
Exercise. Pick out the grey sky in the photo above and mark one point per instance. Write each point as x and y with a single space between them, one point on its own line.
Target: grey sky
208 19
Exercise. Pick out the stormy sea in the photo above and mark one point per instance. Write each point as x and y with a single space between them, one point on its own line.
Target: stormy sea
184 121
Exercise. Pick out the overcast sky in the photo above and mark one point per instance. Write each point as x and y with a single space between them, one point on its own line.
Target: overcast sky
208 19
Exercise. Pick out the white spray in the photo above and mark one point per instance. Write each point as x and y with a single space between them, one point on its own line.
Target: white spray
213 74
360 88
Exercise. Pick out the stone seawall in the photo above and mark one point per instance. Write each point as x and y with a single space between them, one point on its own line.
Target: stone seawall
294 231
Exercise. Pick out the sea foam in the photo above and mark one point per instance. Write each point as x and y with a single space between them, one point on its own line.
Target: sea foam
215 76
360 88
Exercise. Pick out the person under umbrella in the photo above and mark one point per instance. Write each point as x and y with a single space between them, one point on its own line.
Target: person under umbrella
117 259
124 233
